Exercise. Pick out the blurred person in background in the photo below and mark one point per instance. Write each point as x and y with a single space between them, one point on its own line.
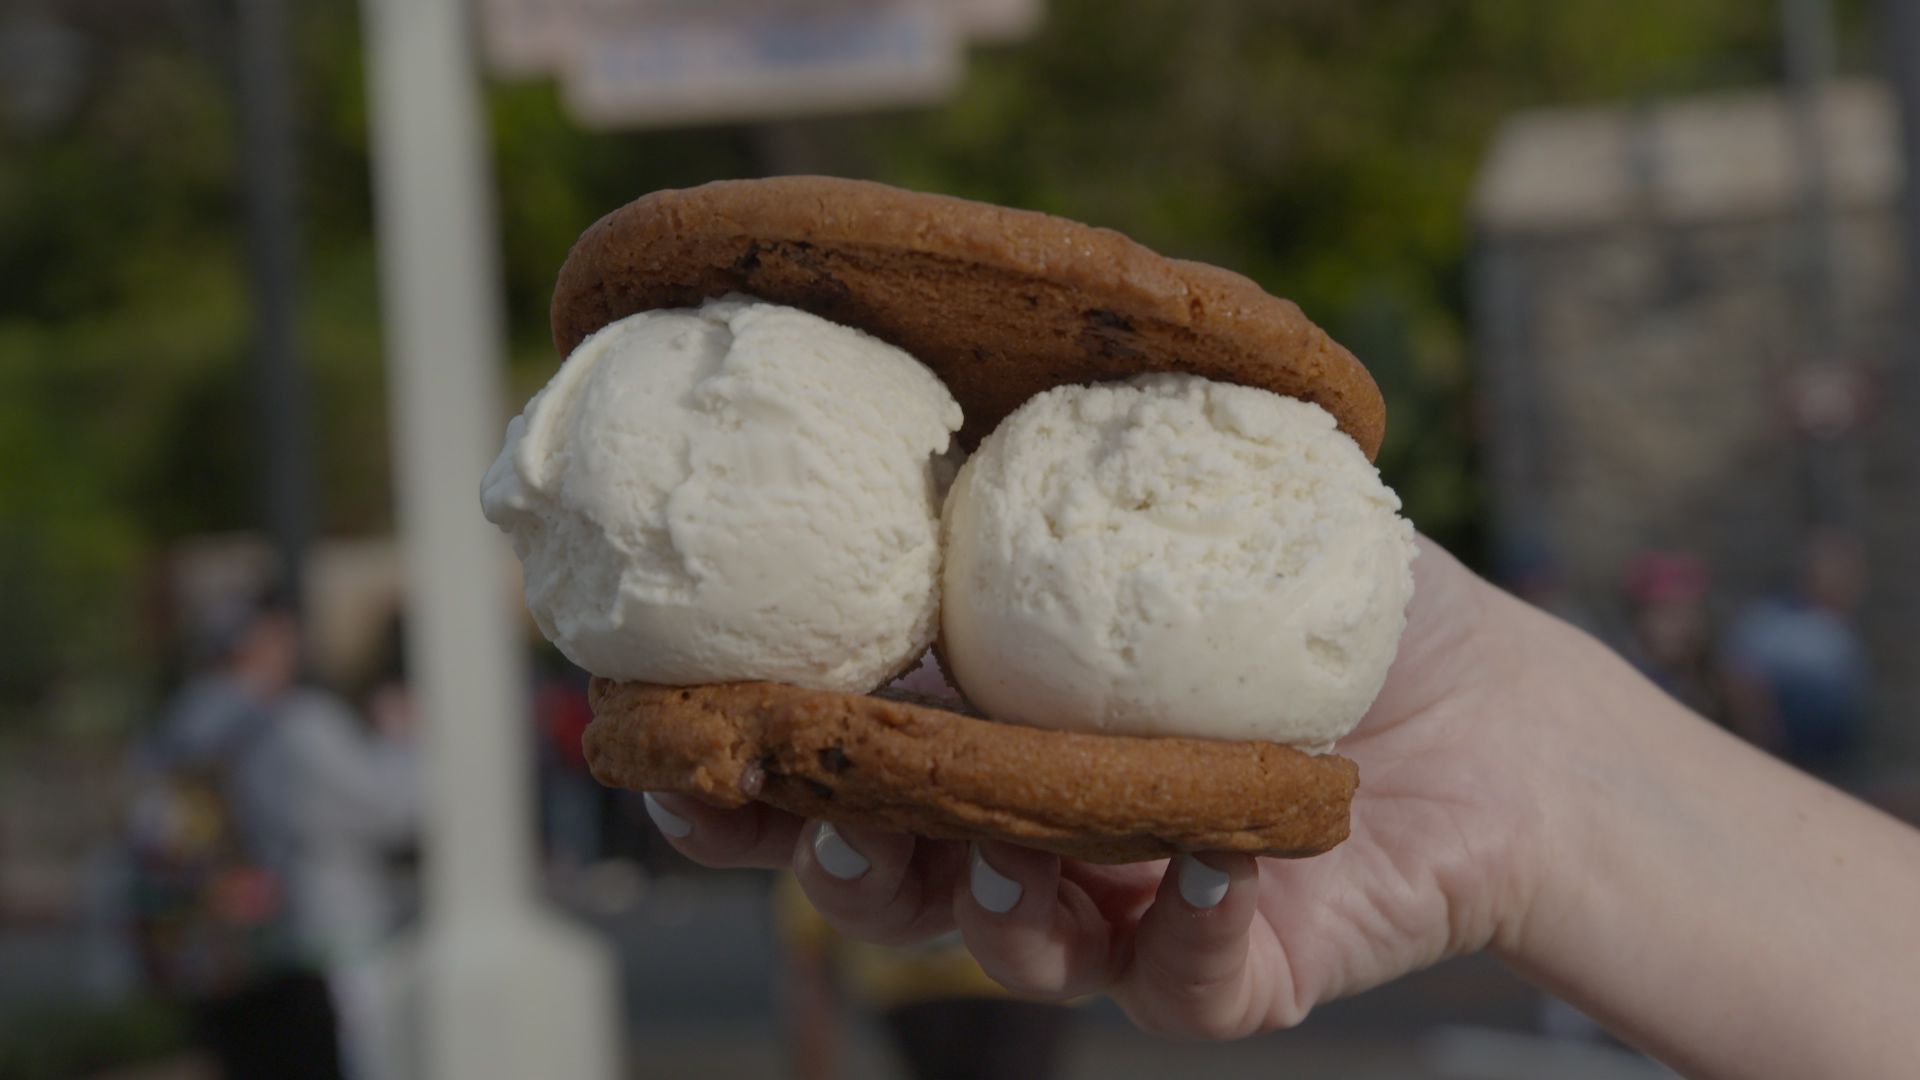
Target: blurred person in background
948 1019
1672 640
213 851
266 833
355 792
1795 669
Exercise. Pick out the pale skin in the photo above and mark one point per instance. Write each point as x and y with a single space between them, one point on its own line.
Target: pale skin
1522 791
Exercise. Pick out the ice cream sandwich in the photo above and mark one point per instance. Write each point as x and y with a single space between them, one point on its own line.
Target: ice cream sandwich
1165 579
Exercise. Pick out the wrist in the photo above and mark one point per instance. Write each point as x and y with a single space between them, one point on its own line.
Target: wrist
1583 738
1500 674
1476 669
1729 915
1587 745
1645 889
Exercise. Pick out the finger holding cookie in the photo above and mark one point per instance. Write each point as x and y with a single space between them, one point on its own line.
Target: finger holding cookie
1192 966
753 835
1034 930
879 885
1176 944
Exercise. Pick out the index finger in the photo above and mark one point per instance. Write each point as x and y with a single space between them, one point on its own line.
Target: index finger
754 835
1191 971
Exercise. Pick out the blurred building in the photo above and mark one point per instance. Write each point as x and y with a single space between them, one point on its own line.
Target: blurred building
1654 343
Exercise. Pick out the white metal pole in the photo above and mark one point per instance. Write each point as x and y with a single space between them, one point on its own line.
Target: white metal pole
506 990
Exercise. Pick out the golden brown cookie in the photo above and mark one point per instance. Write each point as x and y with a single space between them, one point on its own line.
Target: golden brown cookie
1001 304
930 770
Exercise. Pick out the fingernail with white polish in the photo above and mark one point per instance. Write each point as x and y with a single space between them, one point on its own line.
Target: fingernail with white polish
669 822
1201 885
992 889
835 855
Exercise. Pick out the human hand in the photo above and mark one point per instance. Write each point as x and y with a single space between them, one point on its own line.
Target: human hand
1444 827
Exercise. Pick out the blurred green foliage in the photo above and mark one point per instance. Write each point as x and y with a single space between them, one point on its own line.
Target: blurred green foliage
61 1041
1324 147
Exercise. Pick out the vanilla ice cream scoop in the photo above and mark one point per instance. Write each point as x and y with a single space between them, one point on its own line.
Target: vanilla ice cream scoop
735 492
1174 556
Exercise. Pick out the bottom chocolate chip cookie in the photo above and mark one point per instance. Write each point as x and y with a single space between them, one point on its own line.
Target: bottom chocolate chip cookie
925 768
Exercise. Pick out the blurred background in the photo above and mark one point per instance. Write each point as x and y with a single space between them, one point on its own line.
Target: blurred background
1636 277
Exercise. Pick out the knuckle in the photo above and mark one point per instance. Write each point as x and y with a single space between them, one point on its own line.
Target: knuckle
1192 1005
727 846
1220 1026
894 932
1047 973
1189 1020
1151 1021
879 916
1031 982
709 856
734 839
